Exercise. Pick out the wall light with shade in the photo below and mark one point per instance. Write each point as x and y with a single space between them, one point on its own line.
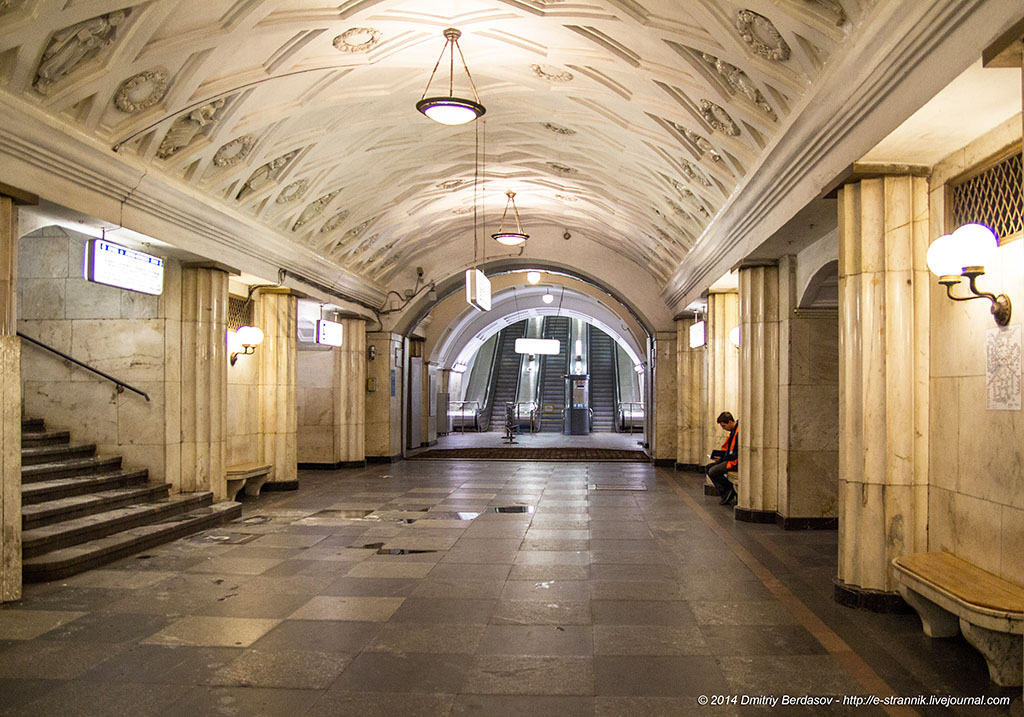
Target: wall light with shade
965 253
697 335
734 337
547 298
449 109
243 341
533 276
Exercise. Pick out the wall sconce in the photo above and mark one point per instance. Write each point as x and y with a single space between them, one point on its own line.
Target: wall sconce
243 341
734 337
965 253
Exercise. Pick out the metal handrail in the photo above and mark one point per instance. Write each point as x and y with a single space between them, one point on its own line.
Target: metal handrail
121 385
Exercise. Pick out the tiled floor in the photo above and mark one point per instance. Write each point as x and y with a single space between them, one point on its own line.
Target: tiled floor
599 602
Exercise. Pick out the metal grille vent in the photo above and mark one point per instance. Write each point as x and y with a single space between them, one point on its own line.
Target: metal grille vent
239 313
993 198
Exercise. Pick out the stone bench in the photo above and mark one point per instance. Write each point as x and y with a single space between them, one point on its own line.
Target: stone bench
952 595
734 477
250 476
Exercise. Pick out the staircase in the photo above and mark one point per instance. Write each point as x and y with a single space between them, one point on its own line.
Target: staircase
552 378
80 511
601 360
506 379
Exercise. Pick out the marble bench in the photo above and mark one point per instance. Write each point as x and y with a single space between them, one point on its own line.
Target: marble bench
250 476
952 595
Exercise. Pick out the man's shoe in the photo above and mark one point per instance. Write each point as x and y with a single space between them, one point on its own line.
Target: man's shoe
730 495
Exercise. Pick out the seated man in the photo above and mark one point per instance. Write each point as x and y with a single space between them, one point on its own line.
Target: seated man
726 459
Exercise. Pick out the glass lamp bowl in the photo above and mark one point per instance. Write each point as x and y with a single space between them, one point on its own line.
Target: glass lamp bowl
510 238
450 110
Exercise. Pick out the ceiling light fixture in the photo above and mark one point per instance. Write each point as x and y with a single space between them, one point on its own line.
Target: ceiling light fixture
510 238
451 110
533 276
547 298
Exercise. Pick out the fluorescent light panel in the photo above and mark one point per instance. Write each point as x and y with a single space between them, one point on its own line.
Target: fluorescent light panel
328 333
115 265
547 347
478 289
697 335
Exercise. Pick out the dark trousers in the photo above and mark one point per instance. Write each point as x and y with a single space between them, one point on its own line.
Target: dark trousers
717 473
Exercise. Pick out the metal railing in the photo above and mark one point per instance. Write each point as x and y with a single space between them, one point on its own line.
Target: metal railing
631 416
526 412
121 385
463 413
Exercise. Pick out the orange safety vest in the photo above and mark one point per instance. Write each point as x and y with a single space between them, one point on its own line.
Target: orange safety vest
730 447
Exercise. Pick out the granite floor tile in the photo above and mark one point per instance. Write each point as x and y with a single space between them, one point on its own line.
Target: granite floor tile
546 590
291 669
729 640
162 664
445 610
366 609
369 569
537 612
371 587
518 705
452 588
212 632
649 640
53 660
519 675
405 672
543 640
658 676
18 624
403 637
631 612
341 703
98 699
255 702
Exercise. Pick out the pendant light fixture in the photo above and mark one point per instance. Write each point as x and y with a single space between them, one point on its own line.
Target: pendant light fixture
451 110
510 238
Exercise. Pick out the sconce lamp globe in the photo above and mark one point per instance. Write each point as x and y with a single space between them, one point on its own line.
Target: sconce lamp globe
249 336
978 244
734 337
547 298
943 258
533 276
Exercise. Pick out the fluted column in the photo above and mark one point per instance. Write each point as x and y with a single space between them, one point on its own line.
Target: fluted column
204 379
350 393
278 357
883 379
722 367
10 407
664 378
759 393
690 400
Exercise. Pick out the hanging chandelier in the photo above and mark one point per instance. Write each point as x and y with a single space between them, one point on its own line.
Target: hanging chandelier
510 238
450 109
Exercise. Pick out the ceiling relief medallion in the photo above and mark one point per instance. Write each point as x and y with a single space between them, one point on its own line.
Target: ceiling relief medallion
557 129
702 144
562 169
762 36
693 174
352 234
567 198
450 184
141 91
187 127
739 83
358 39
267 175
334 222
293 191
718 118
551 73
234 151
73 46
314 209
833 7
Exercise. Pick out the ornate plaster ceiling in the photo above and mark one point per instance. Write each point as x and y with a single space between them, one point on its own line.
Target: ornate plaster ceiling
632 121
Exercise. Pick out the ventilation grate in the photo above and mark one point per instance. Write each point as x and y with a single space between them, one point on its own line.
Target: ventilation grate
239 313
993 198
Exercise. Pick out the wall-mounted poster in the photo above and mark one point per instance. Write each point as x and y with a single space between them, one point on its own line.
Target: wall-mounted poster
1003 368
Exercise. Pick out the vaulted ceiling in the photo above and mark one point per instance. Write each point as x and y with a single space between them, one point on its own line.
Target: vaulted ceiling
632 121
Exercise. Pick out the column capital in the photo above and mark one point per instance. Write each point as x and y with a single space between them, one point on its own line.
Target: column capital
859 171
282 291
211 265
18 196
756 263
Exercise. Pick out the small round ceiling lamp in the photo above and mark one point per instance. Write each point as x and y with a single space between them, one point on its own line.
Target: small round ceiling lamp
510 238
449 109
547 298
533 276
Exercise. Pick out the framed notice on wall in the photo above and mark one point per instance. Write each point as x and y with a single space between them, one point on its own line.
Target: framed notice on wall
114 265
1003 368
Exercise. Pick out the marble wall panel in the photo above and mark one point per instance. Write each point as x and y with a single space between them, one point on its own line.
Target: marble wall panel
944 456
812 485
315 407
813 417
1011 542
316 368
41 299
978 531
139 306
991 464
665 377
316 444
43 255
140 422
131 350
87 409
88 300
10 465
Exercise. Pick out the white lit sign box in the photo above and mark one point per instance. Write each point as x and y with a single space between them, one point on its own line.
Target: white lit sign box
478 289
125 268
328 333
697 335
548 347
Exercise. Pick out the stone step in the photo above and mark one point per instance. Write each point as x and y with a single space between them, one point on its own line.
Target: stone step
44 438
69 561
64 487
36 455
73 467
68 533
32 424
53 511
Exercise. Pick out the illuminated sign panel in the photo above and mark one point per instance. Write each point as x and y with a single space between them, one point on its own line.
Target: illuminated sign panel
478 289
697 335
328 332
549 347
125 268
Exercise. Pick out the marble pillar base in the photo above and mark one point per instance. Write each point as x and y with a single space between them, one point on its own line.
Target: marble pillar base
688 467
790 523
711 490
331 466
870 600
665 462
749 515
385 459
281 485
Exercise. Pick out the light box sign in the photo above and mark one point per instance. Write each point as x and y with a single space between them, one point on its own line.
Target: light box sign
478 289
328 333
114 265
697 335
546 347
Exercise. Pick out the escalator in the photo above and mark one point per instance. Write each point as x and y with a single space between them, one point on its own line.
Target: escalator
603 378
505 380
552 378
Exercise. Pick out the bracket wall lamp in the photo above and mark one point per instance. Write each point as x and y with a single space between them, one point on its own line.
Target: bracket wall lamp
964 254
243 341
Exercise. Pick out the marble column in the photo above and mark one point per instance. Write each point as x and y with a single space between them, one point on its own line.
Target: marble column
384 402
350 394
664 445
759 393
204 379
722 367
883 382
690 399
276 315
10 407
